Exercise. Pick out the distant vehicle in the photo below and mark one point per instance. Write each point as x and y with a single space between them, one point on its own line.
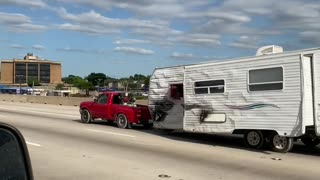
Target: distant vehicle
271 98
145 94
110 106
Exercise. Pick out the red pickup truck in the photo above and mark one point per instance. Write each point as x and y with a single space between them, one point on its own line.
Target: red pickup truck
110 106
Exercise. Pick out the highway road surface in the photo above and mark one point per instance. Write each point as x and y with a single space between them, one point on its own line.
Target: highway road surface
63 148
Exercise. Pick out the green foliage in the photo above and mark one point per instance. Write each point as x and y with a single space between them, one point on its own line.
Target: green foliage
147 80
138 77
59 86
100 79
34 82
71 79
97 79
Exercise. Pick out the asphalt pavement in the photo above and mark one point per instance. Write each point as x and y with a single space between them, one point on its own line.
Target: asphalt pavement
61 147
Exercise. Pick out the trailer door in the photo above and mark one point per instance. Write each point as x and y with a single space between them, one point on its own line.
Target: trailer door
316 87
307 93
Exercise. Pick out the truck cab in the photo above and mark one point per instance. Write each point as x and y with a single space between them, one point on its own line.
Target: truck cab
114 107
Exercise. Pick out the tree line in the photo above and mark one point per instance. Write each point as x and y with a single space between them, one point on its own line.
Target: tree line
94 80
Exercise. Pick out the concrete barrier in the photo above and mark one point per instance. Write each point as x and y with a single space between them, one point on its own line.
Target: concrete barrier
57 100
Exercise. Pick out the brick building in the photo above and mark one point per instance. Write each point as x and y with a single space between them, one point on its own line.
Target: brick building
18 71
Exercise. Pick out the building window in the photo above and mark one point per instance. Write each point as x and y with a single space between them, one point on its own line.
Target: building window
20 72
209 87
44 73
266 79
32 71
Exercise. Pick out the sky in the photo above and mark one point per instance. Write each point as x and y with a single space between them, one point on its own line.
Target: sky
126 37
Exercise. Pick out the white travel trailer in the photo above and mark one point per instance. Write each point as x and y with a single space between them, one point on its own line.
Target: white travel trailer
270 98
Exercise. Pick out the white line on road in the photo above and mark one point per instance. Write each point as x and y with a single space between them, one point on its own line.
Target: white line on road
39 112
146 144
107 132
33 144
3 116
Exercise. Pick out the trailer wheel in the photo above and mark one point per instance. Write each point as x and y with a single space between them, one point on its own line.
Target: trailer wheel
280 143
310 142
122 121
254 139
86 116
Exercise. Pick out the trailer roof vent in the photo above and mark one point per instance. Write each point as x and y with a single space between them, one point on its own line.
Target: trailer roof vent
272 49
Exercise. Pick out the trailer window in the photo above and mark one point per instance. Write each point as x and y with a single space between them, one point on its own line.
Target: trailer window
176 91
209 87
266 79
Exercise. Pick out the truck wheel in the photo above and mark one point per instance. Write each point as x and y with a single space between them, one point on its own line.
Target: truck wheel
122 121
254 139
310 142
85 116
280 143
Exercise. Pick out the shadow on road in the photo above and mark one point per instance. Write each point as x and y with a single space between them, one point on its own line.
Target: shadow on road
223 140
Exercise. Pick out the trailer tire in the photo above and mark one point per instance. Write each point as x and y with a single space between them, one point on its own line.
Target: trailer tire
122 121
280 143
254 139
310 142
86 116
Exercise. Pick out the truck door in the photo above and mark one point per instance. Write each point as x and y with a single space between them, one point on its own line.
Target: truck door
100 108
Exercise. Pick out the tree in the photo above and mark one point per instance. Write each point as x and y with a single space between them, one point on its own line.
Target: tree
33 82
147 81
84 85
71 79
126 82
97 79
59 86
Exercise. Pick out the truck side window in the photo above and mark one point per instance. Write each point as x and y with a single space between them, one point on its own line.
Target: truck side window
102 99
116 99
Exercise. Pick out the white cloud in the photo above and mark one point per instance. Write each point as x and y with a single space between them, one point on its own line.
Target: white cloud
216 15
177 55
20 23
131 41
154 8
197 39
38 47
189 56
286 16
246 42
310 37
94 23
78 50
134 50
86 29
17 46
30 3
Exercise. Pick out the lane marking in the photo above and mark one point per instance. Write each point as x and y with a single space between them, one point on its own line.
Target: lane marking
113 133
3 116
33 144
39 112
146 144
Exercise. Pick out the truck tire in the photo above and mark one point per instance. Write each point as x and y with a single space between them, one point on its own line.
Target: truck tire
280 143
86 116
310 142
254 139
122 121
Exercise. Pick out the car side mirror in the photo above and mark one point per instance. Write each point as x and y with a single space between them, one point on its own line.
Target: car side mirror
15 161
95 100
